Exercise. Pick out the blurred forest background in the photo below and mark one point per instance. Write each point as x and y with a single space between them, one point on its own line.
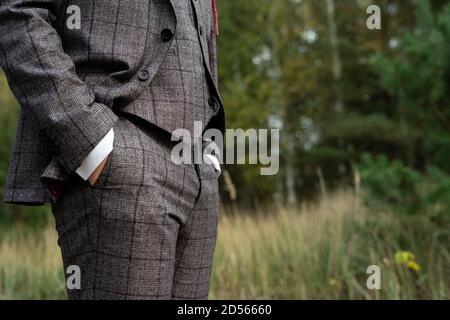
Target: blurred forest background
364 171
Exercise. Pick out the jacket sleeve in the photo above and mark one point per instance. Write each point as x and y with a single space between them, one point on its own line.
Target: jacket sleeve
43 78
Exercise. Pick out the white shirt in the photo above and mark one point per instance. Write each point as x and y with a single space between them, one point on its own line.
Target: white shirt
96 156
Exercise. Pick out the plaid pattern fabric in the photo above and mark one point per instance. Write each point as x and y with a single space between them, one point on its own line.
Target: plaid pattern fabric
147 230
71 83
178 94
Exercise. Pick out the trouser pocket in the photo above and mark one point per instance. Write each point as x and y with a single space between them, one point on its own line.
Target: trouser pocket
54 179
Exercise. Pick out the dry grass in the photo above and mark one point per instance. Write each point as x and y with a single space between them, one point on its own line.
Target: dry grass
320 252
323 251
30 265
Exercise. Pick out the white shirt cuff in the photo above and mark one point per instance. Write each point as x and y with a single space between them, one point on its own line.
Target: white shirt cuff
215 163
97 155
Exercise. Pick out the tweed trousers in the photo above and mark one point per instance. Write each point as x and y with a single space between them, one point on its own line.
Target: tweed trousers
147 229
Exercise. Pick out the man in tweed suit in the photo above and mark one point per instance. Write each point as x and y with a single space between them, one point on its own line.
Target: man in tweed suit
98 105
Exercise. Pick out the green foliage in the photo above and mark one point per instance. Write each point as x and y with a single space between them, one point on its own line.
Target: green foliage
416 77
394 85
437 199
8 118
390 185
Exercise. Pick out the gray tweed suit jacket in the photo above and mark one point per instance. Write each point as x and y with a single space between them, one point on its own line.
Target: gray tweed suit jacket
70 83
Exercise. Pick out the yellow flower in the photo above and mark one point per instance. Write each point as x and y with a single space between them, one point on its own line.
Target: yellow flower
402 257
407 259
414 266
334 282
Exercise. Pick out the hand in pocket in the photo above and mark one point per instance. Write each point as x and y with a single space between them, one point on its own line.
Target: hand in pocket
55 187
97 172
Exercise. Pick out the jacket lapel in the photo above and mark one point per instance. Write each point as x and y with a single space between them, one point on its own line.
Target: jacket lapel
198 16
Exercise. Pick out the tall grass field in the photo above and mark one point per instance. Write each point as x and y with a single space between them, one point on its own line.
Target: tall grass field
320 251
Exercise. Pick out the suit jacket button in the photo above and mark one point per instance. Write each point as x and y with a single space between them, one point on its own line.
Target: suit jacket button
143 75
211 102
166 34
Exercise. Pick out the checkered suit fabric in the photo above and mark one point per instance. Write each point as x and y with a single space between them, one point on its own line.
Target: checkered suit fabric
178 94
71 83
147 229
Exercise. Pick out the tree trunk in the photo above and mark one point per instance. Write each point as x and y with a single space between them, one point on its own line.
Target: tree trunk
335 55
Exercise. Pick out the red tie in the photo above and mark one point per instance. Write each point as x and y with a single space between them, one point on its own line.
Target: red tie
216 17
